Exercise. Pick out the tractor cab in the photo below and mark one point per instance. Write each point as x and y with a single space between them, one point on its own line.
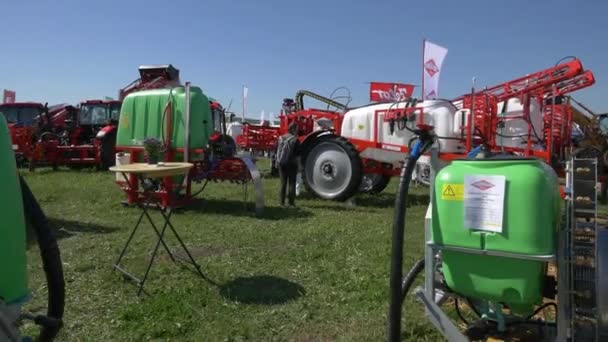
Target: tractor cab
23 114
218 116
84 123
221 144
98 113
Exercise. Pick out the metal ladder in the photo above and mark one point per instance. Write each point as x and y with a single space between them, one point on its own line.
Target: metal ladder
581 260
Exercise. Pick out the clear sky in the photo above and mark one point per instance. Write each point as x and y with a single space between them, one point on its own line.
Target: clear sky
67 51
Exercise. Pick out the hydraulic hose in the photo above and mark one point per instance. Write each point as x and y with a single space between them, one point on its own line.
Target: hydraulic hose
410 277
396 275
53 268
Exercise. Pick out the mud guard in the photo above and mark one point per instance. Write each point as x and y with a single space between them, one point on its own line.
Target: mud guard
258 186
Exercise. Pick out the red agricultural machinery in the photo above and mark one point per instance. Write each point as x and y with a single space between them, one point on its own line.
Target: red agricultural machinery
350 150
258 138
26 122
83 136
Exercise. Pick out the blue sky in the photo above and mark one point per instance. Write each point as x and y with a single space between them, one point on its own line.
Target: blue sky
67 51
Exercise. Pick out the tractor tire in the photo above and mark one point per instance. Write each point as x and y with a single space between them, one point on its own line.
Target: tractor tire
373 183
332 169
108 157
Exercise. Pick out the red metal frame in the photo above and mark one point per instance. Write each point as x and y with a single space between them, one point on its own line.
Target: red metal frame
258 137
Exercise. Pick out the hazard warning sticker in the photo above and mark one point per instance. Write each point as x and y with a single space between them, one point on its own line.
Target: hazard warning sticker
452 192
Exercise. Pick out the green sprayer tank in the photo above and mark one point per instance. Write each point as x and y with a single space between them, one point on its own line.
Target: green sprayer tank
484 258
13 280
142 115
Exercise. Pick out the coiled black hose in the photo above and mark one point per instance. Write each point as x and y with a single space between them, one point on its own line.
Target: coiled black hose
51 260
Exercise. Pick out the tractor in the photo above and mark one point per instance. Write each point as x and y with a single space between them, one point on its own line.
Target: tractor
27 121
78 136
352 150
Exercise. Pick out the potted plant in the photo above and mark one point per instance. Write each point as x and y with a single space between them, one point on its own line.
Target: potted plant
153 148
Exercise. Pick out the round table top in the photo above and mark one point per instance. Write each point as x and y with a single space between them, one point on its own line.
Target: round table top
154 170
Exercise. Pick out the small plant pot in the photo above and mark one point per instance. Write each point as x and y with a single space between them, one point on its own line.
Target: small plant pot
153 159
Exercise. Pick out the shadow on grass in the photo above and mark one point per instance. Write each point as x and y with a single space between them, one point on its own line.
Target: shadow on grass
262 289
65 229
239 208
68 226
386 200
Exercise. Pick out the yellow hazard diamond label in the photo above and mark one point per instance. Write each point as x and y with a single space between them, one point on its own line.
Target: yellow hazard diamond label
452 192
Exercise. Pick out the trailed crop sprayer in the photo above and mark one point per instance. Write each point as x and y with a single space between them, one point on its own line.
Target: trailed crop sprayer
192 128
359 149
502 246
18 206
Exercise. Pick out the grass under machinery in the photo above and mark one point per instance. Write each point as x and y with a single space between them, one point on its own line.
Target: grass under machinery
349 150
192 128
19 207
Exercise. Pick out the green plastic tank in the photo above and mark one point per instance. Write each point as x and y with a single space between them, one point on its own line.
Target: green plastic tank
142 116
530 216
13 281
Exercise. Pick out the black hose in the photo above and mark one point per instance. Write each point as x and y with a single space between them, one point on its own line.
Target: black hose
541 308
51 260
396 296
410 277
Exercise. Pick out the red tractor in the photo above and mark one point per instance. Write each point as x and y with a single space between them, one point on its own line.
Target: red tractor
26 122
84 136
349 150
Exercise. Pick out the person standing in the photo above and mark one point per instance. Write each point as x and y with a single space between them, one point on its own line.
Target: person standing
287 163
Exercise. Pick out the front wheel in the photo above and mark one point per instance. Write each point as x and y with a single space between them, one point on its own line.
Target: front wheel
333 169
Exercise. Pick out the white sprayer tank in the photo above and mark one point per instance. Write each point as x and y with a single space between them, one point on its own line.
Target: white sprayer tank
515 130
359 124
234 129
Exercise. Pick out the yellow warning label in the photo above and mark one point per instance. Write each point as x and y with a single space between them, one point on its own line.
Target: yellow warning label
452 192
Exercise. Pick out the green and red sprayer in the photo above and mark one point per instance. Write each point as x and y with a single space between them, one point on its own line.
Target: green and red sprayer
501 246
192 129
18 206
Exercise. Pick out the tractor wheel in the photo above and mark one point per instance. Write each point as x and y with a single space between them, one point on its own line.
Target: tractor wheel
374 183
108 157
332 169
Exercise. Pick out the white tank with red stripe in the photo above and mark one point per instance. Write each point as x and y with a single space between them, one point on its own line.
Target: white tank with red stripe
367 123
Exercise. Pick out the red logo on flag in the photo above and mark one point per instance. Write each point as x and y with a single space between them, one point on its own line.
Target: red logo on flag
431 68
483 185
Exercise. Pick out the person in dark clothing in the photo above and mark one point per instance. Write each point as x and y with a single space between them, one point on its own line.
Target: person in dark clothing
287 163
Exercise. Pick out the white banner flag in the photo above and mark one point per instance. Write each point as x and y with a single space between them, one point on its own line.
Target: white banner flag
433 59
262 118
245 91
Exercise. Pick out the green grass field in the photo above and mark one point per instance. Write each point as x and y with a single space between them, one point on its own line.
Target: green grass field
316 273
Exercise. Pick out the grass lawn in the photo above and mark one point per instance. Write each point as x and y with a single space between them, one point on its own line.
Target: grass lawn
316 273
